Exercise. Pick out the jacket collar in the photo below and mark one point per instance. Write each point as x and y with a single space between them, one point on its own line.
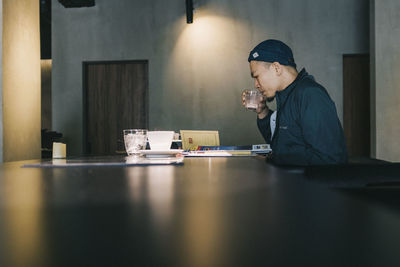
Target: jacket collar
281 96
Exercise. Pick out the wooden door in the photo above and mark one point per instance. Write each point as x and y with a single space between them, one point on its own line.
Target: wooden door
356 104
116 98
45 66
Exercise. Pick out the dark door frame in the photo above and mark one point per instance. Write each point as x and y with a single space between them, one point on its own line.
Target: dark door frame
366 56
85 64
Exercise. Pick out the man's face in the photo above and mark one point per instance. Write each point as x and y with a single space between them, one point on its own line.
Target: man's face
265 78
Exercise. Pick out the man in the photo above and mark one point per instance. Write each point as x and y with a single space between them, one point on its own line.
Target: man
307 130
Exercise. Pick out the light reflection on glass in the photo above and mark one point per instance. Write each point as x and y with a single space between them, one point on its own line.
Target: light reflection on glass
22 216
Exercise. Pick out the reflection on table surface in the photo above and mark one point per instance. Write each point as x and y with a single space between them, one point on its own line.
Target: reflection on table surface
206 212
108 161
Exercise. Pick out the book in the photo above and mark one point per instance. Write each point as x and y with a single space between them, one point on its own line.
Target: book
227 151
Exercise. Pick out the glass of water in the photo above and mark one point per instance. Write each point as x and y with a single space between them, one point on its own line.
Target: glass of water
135 140
252 98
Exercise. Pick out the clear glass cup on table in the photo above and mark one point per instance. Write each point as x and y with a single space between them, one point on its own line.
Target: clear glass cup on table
135 140
251 99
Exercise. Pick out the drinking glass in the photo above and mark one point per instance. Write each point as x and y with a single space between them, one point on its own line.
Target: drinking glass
252 98
135 140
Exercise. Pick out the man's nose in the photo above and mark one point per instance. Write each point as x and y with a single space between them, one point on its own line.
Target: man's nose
256 84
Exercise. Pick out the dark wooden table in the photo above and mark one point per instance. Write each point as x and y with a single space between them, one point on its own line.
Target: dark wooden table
209 212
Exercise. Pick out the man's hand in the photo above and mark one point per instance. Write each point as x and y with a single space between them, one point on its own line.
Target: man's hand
262 108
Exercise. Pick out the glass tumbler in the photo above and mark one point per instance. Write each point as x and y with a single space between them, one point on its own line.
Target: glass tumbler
252 99
135 140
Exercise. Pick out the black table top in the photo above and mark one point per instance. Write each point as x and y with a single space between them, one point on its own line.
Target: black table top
238 211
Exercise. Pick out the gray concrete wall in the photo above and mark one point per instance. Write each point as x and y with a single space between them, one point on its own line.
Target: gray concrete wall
386 79
198 71
21 80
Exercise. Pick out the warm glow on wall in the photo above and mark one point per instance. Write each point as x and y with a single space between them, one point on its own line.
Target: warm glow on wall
208 62
212 34
206 44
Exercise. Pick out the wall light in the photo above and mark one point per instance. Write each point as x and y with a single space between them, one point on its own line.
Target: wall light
189 11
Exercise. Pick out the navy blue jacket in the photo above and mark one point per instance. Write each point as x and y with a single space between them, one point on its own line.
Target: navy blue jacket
308 130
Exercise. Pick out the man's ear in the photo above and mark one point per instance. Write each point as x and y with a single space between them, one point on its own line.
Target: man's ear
277 68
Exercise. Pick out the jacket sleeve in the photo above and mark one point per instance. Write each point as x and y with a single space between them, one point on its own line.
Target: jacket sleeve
321 128
264 127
